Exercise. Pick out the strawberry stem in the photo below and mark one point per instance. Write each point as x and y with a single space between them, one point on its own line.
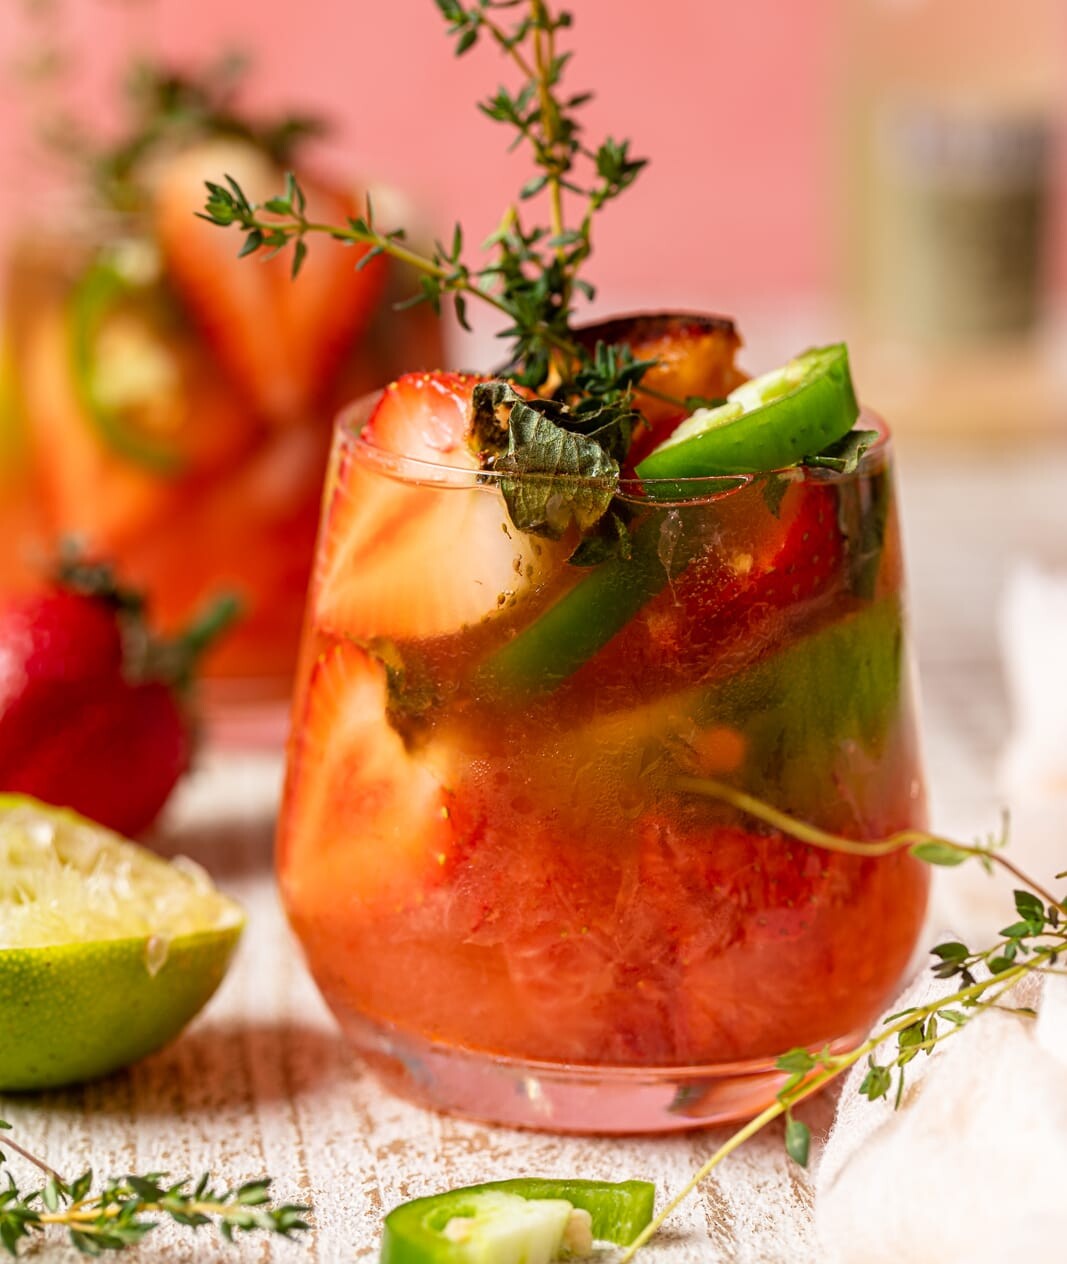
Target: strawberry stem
175 659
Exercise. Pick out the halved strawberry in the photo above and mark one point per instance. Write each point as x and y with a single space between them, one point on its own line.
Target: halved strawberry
108 748
408 555
281 340
362 821
696 357
94 711
53 643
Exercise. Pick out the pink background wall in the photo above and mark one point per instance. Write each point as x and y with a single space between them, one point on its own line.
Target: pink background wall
728 99
733 101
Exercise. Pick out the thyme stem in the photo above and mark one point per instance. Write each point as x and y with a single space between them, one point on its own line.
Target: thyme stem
830 1068
50 1172
807 833
545 51
508 46
117 1214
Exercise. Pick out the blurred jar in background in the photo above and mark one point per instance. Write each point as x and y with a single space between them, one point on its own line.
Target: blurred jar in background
953 116
169 405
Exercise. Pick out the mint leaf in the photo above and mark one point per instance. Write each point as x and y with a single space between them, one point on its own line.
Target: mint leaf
844 454
609 539
563 477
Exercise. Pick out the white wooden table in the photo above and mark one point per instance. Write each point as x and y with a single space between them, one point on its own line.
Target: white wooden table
262 1084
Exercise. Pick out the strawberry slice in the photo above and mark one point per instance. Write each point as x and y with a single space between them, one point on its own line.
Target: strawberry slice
361 820
281 340
405 558
729 600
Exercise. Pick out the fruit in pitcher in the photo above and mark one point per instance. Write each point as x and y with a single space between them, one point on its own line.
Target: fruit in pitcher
281 338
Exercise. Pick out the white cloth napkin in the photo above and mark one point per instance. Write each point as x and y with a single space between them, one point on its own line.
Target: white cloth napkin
1031 780
1033 637
970 1169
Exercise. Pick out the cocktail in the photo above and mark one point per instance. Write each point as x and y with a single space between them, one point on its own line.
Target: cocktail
578 634
167 405
498 846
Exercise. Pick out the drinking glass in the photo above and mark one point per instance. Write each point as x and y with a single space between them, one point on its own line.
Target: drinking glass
501 846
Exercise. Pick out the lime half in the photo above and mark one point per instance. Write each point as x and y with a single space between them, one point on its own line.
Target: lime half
106 951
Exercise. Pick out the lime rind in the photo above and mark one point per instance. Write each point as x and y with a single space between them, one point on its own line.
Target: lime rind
75 1012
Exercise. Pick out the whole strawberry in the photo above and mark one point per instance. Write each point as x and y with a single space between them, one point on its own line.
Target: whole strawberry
94 707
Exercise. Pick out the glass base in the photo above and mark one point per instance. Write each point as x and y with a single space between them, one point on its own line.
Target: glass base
556 1097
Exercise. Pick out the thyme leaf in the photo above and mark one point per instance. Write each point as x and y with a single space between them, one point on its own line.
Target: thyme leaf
531 272
119 1213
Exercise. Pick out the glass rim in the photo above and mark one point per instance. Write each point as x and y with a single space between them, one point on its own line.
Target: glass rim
353 417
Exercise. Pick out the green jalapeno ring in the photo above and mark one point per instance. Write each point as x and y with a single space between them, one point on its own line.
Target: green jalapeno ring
422 1231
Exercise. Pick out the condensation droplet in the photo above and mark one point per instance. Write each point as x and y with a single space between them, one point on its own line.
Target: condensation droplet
156 952
200 877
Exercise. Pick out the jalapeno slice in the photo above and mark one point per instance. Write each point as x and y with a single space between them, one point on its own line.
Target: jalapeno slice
768 423
582 622
524 1221
101 291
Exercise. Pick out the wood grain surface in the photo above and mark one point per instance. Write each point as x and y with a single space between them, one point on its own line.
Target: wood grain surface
262 1084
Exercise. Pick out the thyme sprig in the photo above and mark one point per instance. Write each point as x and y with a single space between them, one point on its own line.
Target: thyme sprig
1031 945
122 1211
532 273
